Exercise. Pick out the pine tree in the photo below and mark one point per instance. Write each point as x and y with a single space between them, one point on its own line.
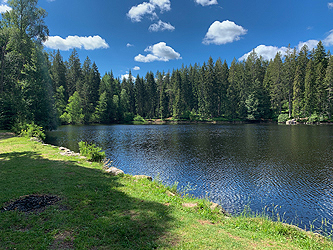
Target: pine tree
74 73
289 68
297 93
276 84
140 96
58 72
309 92
329 88
152 96
321 95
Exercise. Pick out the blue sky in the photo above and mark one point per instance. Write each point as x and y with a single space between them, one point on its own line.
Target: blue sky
159 35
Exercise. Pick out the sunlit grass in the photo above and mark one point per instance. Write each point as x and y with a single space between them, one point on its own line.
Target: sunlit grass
99 211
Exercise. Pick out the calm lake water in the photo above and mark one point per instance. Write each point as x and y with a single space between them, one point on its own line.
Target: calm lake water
289 168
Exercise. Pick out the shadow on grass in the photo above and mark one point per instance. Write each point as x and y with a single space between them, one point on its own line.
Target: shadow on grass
95 211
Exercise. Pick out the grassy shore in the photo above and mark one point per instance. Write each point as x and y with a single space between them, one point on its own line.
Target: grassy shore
99 211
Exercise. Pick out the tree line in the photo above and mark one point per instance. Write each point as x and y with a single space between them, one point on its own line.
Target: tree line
40 87
298 85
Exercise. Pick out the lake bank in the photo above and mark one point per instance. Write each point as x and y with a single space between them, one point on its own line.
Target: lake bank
101 211
236 165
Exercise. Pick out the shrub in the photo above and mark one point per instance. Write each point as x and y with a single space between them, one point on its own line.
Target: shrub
313 118
138 118
128 117
29 130
283 118
91 151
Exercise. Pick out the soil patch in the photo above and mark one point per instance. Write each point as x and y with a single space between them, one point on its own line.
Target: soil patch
6 135
30 203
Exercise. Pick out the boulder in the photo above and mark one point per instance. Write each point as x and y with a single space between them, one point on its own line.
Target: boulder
114 171
291 122
213 206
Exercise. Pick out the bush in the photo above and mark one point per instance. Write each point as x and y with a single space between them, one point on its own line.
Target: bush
91 151
138 118
313 118
128 117
283 118
29 130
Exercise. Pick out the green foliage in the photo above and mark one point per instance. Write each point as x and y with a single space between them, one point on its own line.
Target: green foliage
30 130
138 118
128 117
283 118
314 118
91 152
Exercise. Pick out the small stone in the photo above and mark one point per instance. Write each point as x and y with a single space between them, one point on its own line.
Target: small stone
169 193
114 171
190 204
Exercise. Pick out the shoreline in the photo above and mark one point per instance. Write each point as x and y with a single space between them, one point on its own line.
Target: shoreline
87 189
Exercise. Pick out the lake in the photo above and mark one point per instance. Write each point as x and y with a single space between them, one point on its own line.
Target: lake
288 169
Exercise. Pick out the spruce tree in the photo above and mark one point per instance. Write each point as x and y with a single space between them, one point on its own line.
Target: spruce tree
329 88
297 93
309 92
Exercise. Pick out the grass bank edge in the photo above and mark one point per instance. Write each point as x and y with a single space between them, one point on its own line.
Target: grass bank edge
252 228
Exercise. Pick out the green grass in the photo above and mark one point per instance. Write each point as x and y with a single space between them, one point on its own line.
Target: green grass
99 211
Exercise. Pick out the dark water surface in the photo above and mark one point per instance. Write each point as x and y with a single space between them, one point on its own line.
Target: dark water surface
286 167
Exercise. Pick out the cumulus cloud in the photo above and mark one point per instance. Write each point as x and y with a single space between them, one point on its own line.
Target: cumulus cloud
136 68
164 5
206 2
161 26
310 43
129 45
4 8
136 13
126 76
330 5
223 32
158 52
267 52
88 43
328 41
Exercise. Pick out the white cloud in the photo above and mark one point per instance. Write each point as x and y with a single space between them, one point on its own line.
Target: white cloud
161 26
164 5
206 2
159 52
330 5
136 68
267 52
136 13
4 8
223 32
88 43
310 43
328 41
129 45
126 76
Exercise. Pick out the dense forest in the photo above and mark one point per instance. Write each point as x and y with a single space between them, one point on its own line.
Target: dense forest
40 87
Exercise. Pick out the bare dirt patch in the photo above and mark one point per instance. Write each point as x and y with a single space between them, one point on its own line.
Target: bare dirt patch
63 240
6 135
205 222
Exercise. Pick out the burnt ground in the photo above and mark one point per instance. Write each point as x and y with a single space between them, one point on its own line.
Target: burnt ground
31 203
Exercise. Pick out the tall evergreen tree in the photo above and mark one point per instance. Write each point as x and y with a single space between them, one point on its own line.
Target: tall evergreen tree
297 93
309 92
329 87
74 74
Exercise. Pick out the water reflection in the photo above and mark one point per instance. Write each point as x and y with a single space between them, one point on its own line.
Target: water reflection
237 165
